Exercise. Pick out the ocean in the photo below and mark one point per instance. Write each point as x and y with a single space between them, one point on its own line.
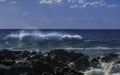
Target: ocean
93 43
90 42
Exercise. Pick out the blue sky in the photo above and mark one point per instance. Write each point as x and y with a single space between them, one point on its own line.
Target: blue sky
60 14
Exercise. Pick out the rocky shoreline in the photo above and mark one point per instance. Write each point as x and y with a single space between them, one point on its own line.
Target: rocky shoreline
54 62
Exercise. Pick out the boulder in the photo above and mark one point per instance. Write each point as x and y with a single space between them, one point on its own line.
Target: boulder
73 72
109 57
45 73
94 62
35 56
24 54
64 56
8 54
33 53
40 67
8 62
2 57
82 64
3 71
117 62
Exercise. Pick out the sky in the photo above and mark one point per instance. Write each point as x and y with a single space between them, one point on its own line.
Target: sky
59 14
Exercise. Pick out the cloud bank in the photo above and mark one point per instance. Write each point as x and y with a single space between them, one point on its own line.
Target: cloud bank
79 3
71 3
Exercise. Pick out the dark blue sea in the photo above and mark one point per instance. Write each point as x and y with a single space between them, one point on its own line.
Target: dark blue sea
90 42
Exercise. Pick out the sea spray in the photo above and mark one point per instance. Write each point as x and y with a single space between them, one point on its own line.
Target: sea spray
95 72
106 69
40 35
40 40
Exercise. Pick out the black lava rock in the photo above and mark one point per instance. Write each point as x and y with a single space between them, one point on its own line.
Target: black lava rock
109 57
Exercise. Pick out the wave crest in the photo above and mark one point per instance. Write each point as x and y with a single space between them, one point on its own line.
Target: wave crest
42 36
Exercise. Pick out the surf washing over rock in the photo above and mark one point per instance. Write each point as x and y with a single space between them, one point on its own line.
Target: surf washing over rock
108 69
104 67
57 62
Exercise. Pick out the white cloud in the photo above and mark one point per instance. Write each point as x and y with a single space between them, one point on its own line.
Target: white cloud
72 3
9 1
25 13
50 1
95 3
45 1
73 6
2 0
79 3
58 1
14 2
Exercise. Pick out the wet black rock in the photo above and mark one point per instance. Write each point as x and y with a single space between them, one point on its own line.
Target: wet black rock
54 62
24 54
117 62
3 71
82 64
95 62
2 57
35 57
33 53
110 57
64 56
39 67
58 71
45 73
73 72
8 62
8 54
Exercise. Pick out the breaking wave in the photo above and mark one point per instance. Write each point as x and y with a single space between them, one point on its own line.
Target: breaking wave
38 39
51 40
42 36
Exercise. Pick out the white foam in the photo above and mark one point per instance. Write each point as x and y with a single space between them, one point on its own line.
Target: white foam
94 48
41 35
95 72
106 69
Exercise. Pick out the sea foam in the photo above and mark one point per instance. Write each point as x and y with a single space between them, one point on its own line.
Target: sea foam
106 69
43 36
